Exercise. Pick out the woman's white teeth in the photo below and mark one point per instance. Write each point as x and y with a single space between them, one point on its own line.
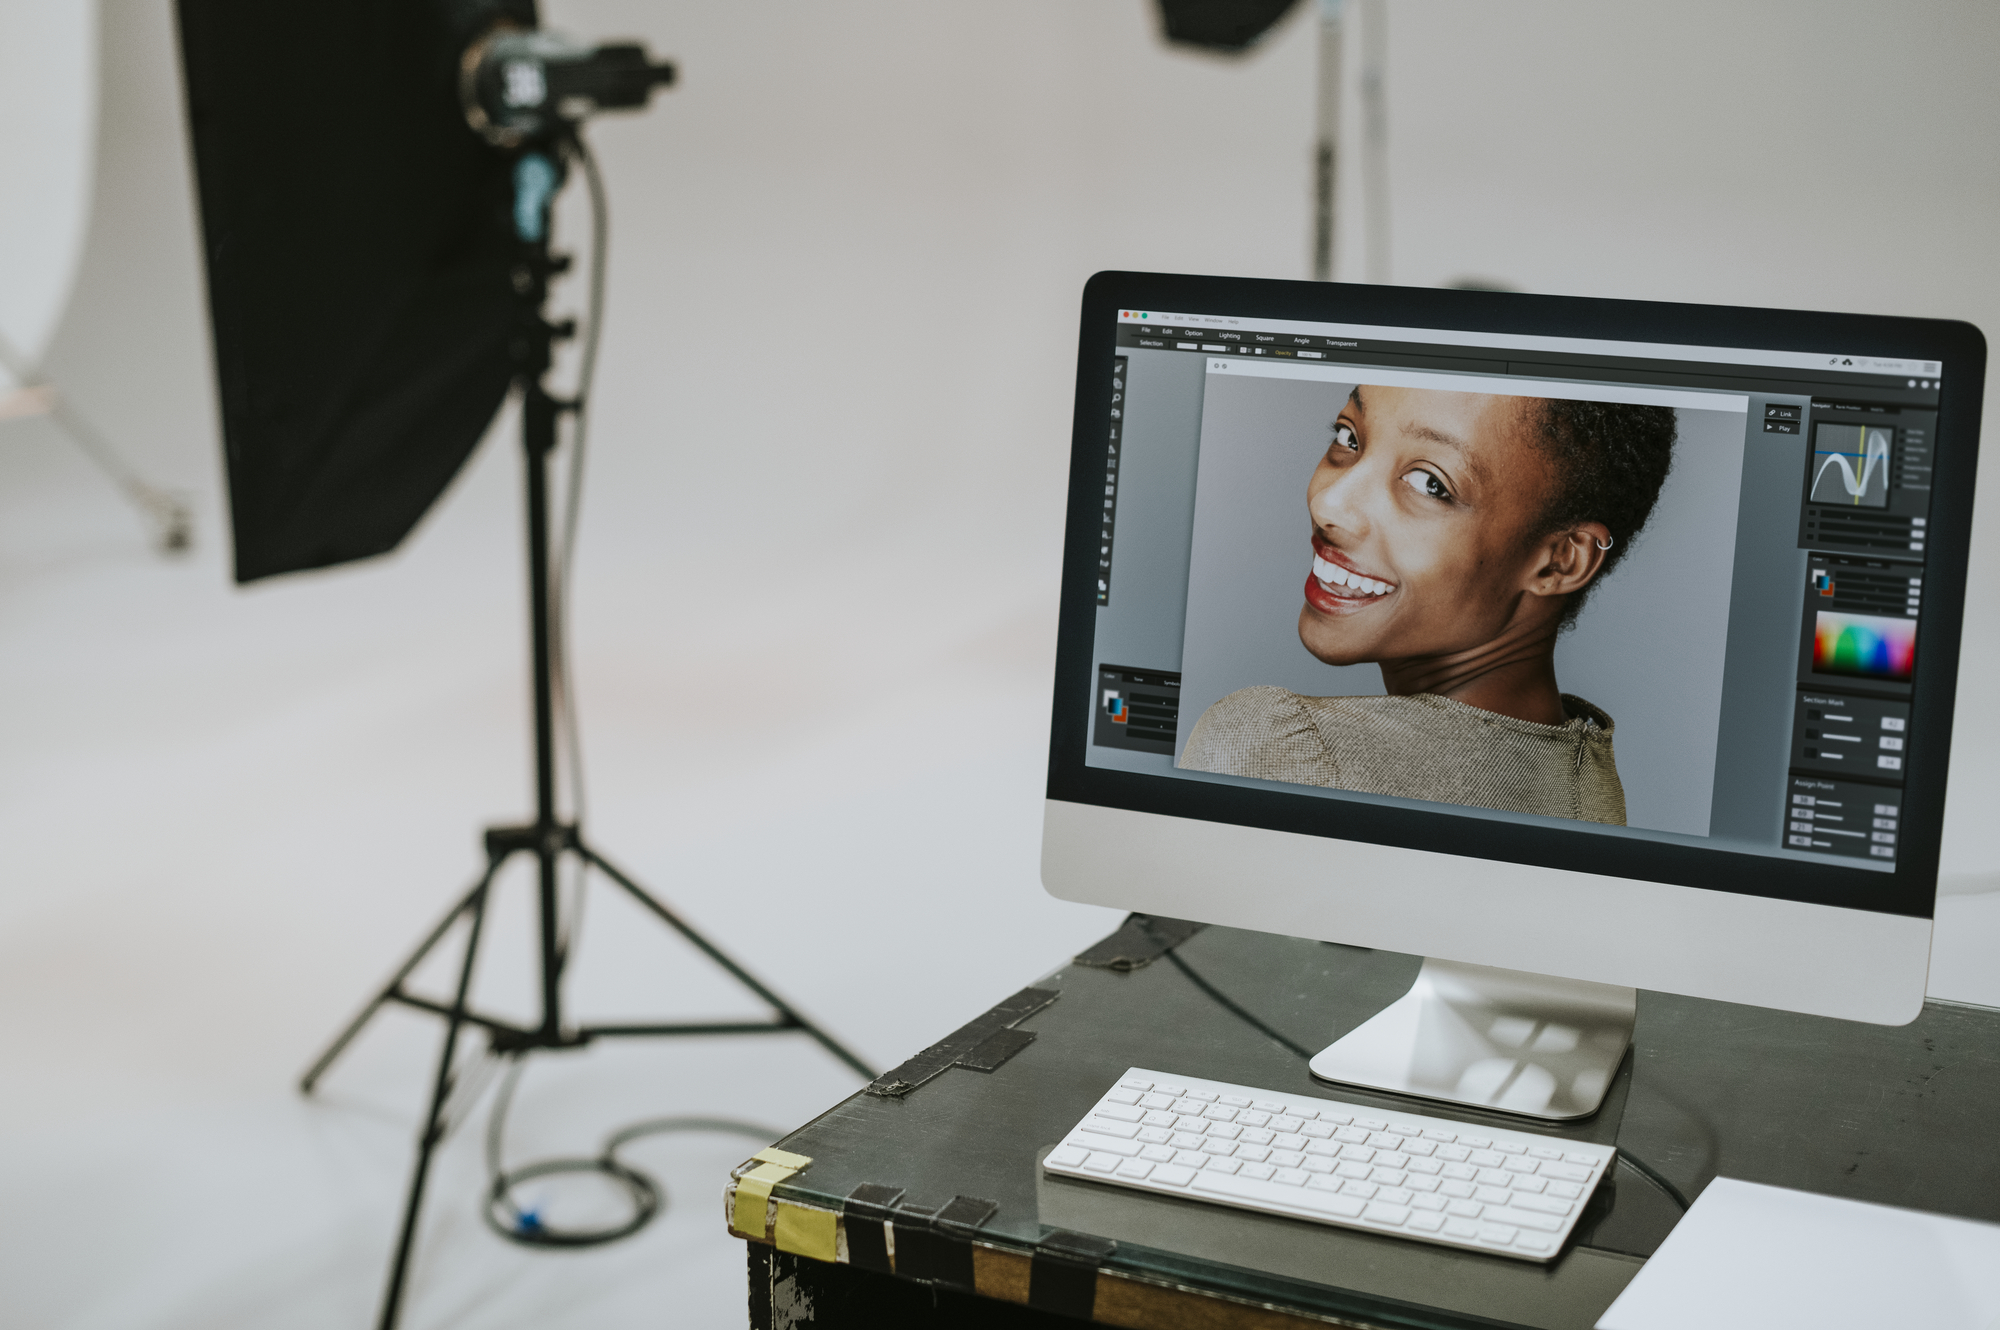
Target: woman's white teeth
1334 575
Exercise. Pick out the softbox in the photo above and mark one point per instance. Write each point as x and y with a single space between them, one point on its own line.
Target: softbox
360 261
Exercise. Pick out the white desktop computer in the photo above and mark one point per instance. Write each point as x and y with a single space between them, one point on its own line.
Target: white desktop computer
1577 646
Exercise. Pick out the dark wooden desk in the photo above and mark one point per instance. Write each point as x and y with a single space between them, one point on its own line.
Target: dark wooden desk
946 1176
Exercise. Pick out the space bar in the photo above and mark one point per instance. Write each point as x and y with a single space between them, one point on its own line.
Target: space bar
1277 1195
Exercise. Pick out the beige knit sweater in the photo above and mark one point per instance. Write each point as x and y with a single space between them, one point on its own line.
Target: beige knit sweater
1421 747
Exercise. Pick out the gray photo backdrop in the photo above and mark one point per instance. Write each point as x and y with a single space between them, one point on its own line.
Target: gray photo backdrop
1648 648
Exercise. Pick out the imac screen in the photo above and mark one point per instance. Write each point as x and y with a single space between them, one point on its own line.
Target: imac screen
1627 590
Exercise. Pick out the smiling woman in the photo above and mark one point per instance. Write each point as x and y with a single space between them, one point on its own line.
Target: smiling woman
1454 535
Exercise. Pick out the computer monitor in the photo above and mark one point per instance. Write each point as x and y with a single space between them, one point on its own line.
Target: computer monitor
1577 646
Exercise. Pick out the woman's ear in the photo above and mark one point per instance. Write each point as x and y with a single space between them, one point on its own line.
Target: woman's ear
1571 559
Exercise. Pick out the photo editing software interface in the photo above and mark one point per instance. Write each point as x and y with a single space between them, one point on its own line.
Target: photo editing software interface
1738 675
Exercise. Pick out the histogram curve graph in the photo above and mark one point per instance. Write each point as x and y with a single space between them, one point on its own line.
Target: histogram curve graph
1851 465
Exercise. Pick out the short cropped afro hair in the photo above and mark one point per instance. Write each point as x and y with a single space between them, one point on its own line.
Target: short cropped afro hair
1610 460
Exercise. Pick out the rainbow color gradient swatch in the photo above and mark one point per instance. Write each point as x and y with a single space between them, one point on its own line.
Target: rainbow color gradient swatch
1865 645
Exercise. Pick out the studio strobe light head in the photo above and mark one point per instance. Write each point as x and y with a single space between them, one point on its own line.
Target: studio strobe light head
517 86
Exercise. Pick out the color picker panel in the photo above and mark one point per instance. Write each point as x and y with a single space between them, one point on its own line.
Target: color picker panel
1864 645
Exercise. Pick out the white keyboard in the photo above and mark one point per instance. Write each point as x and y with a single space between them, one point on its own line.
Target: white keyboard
1510 1193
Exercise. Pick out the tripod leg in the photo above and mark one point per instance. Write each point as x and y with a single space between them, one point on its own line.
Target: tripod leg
743 976
427 1141
354 1027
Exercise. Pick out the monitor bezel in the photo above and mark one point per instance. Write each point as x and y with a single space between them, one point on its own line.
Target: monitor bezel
1910 890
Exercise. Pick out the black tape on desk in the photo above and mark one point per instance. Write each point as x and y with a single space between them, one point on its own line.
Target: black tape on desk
928 1248
867 1210
1139 941
1062 1276
981 1044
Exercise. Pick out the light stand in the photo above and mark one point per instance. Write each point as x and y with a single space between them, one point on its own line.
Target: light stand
537 174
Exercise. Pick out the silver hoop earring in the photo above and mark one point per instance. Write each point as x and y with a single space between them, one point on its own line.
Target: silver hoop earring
1606 543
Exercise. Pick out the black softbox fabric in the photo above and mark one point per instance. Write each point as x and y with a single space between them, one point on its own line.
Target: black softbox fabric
359 265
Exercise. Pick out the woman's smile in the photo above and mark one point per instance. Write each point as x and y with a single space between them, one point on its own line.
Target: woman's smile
1337 586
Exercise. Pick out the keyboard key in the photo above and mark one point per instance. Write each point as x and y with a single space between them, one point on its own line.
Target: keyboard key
1350 1136
1522 1165
1291 1177
1461 1228
1566 1172
1383 1140
1268 1106
1218 1148
1173 1175
1423 1202
1418 1182
1356 1154
1372 1124
1067 1156
1324 1149
1155 1101
1204 1096
1286 1158
1318 1183
1406 1128
1219 1113
1424 1223
1316 1131
1122 1097
1476 1142
1569 1191
1522 1182
1527 1219
1190 1158
1159 1154
1465 1209
1134 1169
1510 1147
1586 1160
1421 1149
1222 1166
1100 1162
1543 1152
1394 1195
1286 1140
1335 1119
1493 1177
1441 1137
1492 1195
1190 1122
1456 1154
1134 1084
1122 1130
1256 1136
1316 1164
1167 1087
1390 1177
1123 1149
1250 1117
1119 1112
1497 1235
1285 1123
1487 1158
1259 1171
1186 1140
1453 1187
1386 1214
1183 1104
1391 1159
1350 1168
1255 1154
1223 1131
1532 1242
1548 1205
1363 1190
1236 1101
1430 1167
1158 1119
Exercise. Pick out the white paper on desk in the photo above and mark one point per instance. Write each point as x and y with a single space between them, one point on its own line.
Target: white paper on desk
1764 1258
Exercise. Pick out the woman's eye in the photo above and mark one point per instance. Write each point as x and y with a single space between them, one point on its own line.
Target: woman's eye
1343 437
1426 484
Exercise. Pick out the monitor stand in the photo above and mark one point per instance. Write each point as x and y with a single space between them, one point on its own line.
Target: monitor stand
1500 1040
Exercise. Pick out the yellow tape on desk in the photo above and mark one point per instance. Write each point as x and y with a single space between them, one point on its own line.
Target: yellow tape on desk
753 1190
807 1232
